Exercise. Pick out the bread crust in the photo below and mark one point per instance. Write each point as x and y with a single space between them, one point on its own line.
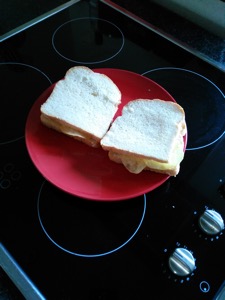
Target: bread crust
70 131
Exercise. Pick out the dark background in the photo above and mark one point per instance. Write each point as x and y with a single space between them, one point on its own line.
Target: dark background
14 13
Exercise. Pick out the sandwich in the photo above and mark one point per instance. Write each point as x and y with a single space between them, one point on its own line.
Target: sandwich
82 105
149 135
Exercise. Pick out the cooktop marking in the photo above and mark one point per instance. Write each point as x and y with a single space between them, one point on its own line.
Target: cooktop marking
84 254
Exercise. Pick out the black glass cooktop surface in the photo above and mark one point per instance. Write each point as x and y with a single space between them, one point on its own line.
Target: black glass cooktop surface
16 15
168 243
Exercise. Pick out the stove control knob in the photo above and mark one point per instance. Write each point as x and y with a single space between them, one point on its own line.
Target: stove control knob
211 222
182 262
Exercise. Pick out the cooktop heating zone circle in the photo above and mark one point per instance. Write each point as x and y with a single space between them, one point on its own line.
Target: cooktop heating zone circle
202 100
18 96
88 40
88 228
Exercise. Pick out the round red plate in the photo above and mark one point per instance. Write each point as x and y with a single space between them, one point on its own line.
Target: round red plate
84 171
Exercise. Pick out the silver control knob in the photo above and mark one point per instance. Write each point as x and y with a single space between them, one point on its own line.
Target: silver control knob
182 262
211 222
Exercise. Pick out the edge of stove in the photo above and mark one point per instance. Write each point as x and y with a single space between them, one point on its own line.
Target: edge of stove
18 277
178 30
36 20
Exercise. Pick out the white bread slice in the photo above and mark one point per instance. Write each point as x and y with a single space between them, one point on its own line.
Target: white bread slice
82 105
148 136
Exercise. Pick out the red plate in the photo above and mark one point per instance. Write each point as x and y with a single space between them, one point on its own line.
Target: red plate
84 171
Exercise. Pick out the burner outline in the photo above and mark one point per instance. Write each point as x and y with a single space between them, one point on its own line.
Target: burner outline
34 68
88 255
208 80
84 62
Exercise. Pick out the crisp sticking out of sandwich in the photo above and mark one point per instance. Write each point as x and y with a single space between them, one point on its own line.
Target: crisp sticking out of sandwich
82 105
148 136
